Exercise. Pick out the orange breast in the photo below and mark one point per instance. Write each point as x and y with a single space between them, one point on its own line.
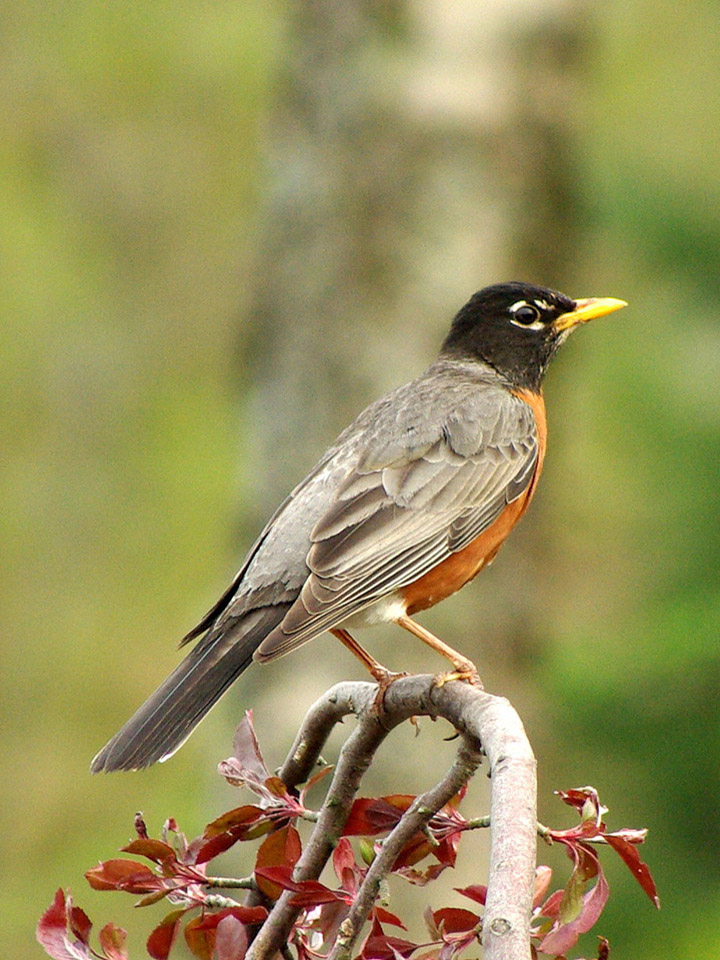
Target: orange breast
459 568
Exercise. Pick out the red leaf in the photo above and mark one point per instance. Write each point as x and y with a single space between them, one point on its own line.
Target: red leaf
51 931
123 875
247 750
154 850
249 915
112 940
276 787
343 859
455 920
231 939
415 850
282 876
237 819
551 907
638 868
543 876
150 898
308 893
200 939
357 824
210 849
583 909
384 916
586 801
379 946
382 947
282 848
55 917
372 816
314 894
213 935
79 924
476 892
446 851
160 941
242 823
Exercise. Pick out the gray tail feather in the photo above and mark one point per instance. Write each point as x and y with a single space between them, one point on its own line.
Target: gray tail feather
165 721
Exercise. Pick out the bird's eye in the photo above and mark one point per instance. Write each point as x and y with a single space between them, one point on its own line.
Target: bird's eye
525 314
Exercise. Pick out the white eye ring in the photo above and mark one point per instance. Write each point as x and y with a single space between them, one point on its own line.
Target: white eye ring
530 312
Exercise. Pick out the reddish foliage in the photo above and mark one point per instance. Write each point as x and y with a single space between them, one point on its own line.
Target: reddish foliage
576 909
161 940
379 946
122 875
623 845
112 941
222 934
476 892
243 823
64 932
155 850
371 817
218 928
279 849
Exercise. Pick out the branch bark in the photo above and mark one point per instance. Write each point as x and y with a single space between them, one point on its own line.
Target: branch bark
480 718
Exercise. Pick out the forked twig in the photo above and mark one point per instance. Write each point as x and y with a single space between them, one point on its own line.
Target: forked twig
480 718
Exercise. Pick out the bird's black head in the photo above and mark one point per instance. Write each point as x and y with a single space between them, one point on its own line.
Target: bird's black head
517 327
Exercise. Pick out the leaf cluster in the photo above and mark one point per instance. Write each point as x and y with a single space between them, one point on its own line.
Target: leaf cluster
215 926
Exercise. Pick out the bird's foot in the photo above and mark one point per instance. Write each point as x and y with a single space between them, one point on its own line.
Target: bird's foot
464 670
384 679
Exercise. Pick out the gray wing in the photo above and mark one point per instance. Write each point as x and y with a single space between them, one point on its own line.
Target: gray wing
430 475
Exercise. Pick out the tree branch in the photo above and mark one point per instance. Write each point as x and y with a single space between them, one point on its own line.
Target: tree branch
480 718
423 809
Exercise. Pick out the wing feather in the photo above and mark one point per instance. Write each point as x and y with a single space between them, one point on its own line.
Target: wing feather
409 503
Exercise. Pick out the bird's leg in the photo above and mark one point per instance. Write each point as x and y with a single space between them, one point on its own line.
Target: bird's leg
380 674
464 669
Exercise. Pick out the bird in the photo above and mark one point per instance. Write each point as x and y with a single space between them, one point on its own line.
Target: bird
412 500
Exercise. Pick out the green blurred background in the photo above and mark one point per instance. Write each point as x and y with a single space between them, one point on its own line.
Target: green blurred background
225 228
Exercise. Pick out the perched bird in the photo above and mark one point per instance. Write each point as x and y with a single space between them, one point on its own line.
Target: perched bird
412 500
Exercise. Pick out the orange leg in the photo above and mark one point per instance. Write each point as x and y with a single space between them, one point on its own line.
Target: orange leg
382 676
464 669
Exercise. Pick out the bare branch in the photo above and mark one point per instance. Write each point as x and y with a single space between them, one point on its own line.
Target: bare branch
480 718
340 701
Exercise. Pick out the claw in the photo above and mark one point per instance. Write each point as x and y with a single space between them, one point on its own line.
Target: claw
384 679
466 671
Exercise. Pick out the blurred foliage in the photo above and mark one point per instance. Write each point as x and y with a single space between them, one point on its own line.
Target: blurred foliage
130 159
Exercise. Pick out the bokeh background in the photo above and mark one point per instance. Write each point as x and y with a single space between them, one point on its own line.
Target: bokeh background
226 227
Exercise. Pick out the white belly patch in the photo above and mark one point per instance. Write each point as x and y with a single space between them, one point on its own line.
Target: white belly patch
385 610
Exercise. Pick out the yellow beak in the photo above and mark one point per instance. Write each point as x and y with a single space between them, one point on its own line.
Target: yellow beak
588 310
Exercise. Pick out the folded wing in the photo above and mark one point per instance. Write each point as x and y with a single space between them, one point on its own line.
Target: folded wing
409 503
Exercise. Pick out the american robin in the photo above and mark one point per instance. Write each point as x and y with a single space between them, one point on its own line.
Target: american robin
412 500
